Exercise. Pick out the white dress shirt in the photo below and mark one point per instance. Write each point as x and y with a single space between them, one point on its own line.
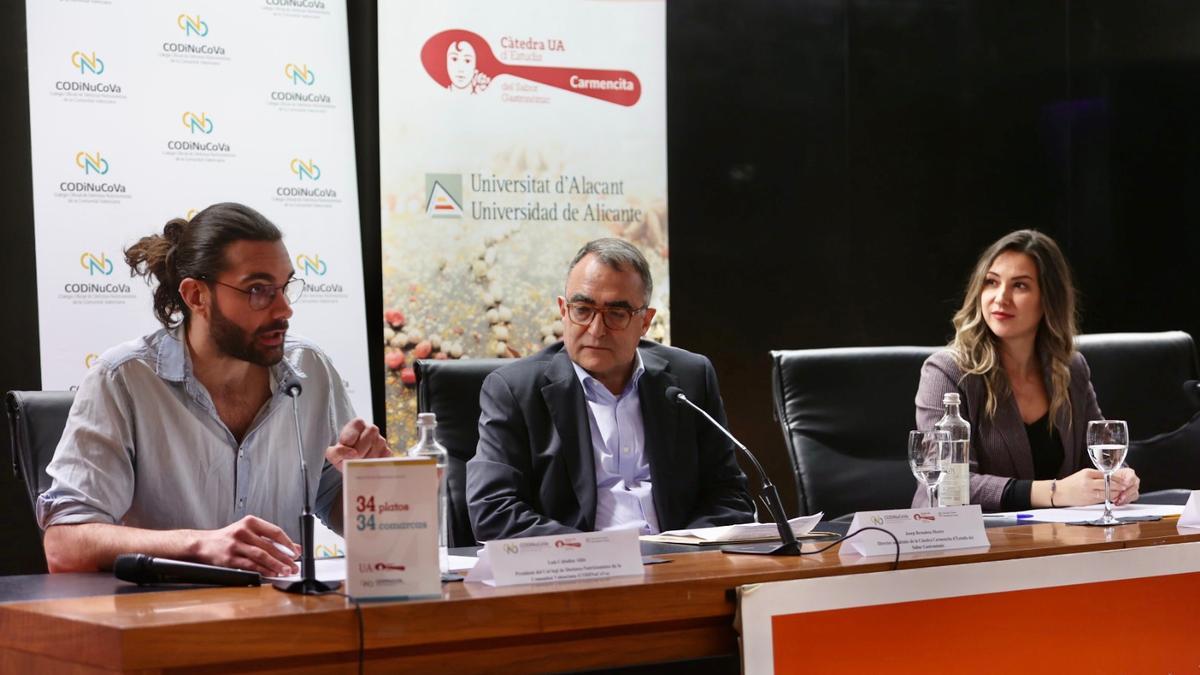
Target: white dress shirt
623 490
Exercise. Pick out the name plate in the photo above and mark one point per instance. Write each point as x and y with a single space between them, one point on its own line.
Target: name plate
390 523
1191 511
919 530
565 557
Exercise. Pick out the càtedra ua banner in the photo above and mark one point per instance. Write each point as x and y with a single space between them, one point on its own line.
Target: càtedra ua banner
510 134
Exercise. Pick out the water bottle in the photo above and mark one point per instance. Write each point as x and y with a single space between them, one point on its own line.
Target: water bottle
427 446
955 489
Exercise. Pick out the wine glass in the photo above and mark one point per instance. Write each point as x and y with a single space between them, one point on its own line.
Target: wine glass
928 453
1107 443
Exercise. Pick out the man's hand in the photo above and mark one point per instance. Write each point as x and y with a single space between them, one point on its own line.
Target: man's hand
358 440
248 544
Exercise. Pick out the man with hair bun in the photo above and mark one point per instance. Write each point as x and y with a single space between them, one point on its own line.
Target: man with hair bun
181 444
581 436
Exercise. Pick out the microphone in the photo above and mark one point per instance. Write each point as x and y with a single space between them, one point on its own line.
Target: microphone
767 492
291 387
307 584
142 569
1192 389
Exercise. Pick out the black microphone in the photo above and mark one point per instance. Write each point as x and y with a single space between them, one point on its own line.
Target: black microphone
767 492
307 584
1192 389
142 569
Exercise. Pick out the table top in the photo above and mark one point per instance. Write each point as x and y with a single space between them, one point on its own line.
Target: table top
690 592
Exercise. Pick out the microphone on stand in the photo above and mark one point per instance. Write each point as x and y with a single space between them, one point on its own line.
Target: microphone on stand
307 584
767 492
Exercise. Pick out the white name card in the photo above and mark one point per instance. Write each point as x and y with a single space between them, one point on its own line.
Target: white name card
565 557
390 522
918 530
1191 511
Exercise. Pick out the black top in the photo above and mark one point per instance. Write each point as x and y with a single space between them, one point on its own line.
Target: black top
1047 449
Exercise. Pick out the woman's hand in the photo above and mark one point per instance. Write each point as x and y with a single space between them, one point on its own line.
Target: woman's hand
1082 488
1124 485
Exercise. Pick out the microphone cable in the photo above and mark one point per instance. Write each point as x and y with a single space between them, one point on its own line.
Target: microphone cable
895 561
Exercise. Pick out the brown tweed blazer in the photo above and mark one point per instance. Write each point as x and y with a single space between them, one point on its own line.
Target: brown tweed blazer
999 446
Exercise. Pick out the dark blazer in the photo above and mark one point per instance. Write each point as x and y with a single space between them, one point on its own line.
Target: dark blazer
533 472
999 446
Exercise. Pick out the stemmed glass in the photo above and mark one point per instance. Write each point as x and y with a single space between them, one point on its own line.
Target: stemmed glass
1107 443
928 453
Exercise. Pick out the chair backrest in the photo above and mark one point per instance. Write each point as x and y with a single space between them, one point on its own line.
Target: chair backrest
845 415
450 390
36 421
1139 378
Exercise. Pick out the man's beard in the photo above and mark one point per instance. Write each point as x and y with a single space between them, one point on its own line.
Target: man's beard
235 342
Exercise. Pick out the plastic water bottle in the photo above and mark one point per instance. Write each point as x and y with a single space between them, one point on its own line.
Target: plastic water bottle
427 446
955 489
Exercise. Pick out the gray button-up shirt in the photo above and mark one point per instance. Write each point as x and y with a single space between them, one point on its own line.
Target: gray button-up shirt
144 446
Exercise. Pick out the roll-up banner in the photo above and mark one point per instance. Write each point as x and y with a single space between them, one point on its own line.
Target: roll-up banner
148 110
510 134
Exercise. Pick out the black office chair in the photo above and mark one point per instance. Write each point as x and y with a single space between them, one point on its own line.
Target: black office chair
36 420
845 415
450 390
1139 377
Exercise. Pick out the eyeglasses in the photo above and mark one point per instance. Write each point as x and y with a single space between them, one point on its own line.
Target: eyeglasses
615 318
260 296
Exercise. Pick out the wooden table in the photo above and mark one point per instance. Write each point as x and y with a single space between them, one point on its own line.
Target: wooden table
681 609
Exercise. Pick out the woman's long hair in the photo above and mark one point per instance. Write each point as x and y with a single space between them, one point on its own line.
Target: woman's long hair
194 249
975 346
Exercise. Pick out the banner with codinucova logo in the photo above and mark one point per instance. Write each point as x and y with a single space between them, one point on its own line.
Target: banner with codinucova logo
147 110
510 134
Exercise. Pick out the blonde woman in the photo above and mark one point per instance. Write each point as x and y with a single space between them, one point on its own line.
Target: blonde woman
1025 390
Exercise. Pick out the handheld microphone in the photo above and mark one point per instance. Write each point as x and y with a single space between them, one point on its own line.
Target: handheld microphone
767 492
307 584
1192 389
142 569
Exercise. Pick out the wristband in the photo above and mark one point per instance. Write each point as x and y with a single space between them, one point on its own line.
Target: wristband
1053 489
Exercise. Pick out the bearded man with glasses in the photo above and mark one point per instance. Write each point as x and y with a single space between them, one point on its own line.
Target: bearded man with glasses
181 444
581 437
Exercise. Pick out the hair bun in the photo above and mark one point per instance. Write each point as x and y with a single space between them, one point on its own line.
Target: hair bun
173 230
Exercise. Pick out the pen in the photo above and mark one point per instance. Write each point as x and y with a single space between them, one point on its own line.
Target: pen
1017 516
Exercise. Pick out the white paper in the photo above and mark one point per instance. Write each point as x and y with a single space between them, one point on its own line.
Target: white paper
1079 514
554 558
328 569
917 530
334 569
745 531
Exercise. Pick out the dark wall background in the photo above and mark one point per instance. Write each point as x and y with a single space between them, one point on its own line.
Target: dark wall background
835 167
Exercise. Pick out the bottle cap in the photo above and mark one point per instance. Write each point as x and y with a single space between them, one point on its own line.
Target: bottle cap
428 419
950 398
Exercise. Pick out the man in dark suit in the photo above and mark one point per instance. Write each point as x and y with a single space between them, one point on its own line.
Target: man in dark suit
581 436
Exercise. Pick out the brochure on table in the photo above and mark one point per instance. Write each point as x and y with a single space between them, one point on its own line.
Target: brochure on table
390 508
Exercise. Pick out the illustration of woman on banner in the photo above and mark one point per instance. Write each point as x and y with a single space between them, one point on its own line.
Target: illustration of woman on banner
452 59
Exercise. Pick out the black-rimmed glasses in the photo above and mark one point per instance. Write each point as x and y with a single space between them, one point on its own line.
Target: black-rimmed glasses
260 296
615 318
